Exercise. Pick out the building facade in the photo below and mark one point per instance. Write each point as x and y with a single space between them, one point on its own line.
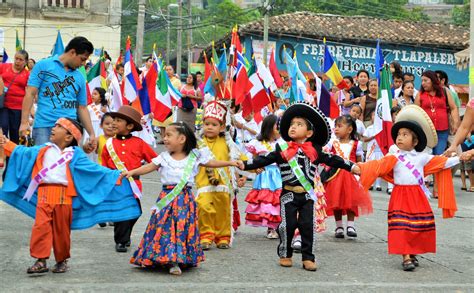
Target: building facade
37 24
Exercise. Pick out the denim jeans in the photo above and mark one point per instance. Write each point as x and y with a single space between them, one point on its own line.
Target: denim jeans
442 142
10 123
41 135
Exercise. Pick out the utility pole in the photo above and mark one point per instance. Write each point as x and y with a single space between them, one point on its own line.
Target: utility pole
140 32
180 41
190 37
266 7
471 54
24 25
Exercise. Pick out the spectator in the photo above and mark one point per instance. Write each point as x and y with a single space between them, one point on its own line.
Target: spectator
405 97
187 107
31 63
61 90
14 78
362 88
344 96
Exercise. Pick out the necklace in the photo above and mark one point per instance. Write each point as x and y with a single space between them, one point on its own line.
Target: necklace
431 104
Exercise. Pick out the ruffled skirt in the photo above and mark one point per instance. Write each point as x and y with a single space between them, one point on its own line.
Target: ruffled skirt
263 209
411 223
344 193
172 234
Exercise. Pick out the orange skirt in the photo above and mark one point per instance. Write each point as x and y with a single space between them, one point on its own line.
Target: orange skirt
411 223
344 193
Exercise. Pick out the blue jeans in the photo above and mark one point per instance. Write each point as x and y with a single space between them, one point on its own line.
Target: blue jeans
41 135
10 123
442 142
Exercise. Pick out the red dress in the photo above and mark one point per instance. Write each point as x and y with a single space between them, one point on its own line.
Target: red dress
344 192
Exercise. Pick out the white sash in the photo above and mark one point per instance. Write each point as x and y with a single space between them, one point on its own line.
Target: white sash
417 174
121 167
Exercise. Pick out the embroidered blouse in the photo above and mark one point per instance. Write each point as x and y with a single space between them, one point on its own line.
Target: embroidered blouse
171 170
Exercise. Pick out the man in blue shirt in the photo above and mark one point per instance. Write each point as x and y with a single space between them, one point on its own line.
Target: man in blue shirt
61 91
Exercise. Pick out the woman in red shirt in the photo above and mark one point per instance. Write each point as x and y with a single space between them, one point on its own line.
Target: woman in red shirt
187 107
14 78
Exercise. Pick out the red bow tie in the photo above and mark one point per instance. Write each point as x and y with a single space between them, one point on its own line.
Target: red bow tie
306 147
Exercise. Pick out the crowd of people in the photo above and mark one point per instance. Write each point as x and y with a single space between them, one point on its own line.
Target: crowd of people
301 163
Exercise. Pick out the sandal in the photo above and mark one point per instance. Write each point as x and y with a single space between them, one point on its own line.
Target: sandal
471 189
408 265
60 267
414 260
175 270
38 267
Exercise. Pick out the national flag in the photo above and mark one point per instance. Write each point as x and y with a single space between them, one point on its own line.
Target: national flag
324 101
116 98
266 76
6 59
292 77
166 97
331 70
383 118
97 76
258 94
120 58
235 46
207 68
58 47
242 84
82 70
131 82
18 43
379 60
274 70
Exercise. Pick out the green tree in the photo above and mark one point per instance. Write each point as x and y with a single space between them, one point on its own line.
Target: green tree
461 14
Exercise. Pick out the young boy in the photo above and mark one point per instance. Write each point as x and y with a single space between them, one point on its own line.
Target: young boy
72 192
306 129
126 152
214 185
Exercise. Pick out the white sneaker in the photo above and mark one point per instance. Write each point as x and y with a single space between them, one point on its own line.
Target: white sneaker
296 243
272 234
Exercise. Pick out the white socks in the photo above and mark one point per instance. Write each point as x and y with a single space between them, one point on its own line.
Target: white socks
350 223
339 224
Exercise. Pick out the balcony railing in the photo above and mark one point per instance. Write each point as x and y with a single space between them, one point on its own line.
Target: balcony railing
81 4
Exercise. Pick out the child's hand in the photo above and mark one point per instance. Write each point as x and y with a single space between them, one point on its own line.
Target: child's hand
466 156
356 170
239 164
126 174
241 182
259 170
3 140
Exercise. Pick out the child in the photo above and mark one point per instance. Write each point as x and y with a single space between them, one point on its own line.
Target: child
373 150
411 225
263 208
343 192
214 186
72 192
355 113
306 129
172 236
247 126
97 108
126 152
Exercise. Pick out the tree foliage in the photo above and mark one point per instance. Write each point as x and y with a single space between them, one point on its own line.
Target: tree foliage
461 14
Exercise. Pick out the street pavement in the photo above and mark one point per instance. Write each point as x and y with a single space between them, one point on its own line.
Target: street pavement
360 265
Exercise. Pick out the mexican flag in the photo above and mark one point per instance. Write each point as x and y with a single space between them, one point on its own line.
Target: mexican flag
96 76
383 118
166 97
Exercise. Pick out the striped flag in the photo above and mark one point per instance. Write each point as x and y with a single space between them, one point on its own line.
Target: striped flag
166 97
331 70
131 83
383 118
6 59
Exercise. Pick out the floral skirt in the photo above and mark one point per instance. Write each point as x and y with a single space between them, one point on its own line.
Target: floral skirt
172 234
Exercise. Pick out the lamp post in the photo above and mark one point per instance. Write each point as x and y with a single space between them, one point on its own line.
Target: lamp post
168 42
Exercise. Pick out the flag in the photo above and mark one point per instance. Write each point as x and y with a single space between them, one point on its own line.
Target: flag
207 68
242 84
383 118
331 70
82 70
235 46
266 76
18 43
119 59
131 82
258 94
116 98
6 59
379 61
58 48
166 97
274 70
325 103
292 77
97 75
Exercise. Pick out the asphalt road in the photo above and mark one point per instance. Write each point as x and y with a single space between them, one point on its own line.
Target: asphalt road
252 263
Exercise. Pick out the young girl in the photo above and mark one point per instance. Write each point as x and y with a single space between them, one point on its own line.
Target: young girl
411 225
344 194
172 237
263 208
97 108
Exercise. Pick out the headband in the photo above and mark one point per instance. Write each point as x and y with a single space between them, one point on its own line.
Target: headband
69 126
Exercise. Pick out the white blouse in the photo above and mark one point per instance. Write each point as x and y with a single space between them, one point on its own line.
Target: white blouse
403 176
346 148
171 170
51 156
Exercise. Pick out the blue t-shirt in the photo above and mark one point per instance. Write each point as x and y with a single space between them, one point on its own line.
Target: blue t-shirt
60 92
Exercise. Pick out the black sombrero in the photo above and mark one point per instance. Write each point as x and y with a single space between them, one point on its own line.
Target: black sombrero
321 127
415 118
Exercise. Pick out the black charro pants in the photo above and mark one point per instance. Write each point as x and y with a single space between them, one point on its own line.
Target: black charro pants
296 212
123 230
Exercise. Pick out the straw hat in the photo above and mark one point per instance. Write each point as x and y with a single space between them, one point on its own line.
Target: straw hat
416 119
321 127
130 115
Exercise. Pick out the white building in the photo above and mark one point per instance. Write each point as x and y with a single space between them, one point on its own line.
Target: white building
38 23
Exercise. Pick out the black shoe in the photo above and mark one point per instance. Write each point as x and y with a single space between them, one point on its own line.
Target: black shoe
389 191
371 188
408 266
352 232
119 247
102 225
415 261
378 188
339 233
128 243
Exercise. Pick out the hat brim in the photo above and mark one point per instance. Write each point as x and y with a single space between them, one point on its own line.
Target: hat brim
418 115
136 126
321 127
413 126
